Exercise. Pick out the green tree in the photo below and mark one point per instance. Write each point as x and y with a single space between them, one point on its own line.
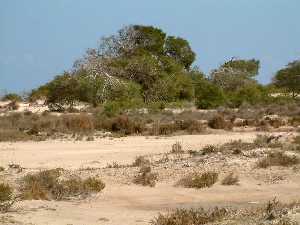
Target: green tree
63 92
12 97
208 95
235 74
180 50
288 78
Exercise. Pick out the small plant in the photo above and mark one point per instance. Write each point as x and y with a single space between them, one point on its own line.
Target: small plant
141 161
177 148
6 197
230 179
146 177
114 165
297 140
191 217
218 122
208 149
197 180
90 138
46 185
278 159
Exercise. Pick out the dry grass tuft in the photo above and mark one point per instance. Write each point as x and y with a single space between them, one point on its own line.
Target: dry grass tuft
230 179
209 149
6 197
146 177
219 122
141 161
190 217
177 148
278 159
197 180
46 185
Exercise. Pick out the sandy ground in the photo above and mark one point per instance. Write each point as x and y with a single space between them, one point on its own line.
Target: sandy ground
74 155
129 204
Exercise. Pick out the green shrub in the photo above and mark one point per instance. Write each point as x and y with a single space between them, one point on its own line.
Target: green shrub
12 97
208 95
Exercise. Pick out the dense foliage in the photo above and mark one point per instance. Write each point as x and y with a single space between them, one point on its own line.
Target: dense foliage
141 65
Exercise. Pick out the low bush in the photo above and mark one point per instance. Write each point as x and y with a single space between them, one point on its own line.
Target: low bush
46 185
278 159
146 177
236 147
122 124
14 135
6 197
208 149
230 179
177 148
190 217
219 122
141 161
197 180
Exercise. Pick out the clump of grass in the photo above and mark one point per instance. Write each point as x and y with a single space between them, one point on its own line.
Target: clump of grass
190 217
208 149
219 122
146 177
46 185
230 179
141 161
297 140
6 197
177 148
278 159
197 180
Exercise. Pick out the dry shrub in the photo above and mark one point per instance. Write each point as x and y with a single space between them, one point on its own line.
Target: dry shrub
295 121
230 179
122 124
146 177
297 140
197 180
191 217
78 123
6 197
46 185
177 148
219 122
13 105
141 161
166 128
13 135
192 126
209 149
278 159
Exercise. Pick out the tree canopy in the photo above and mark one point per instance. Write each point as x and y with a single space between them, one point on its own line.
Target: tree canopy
288 78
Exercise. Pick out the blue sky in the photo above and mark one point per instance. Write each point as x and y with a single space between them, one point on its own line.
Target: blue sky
40 39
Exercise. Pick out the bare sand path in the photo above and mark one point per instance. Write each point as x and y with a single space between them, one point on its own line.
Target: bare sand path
121 204
74 155
130 205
